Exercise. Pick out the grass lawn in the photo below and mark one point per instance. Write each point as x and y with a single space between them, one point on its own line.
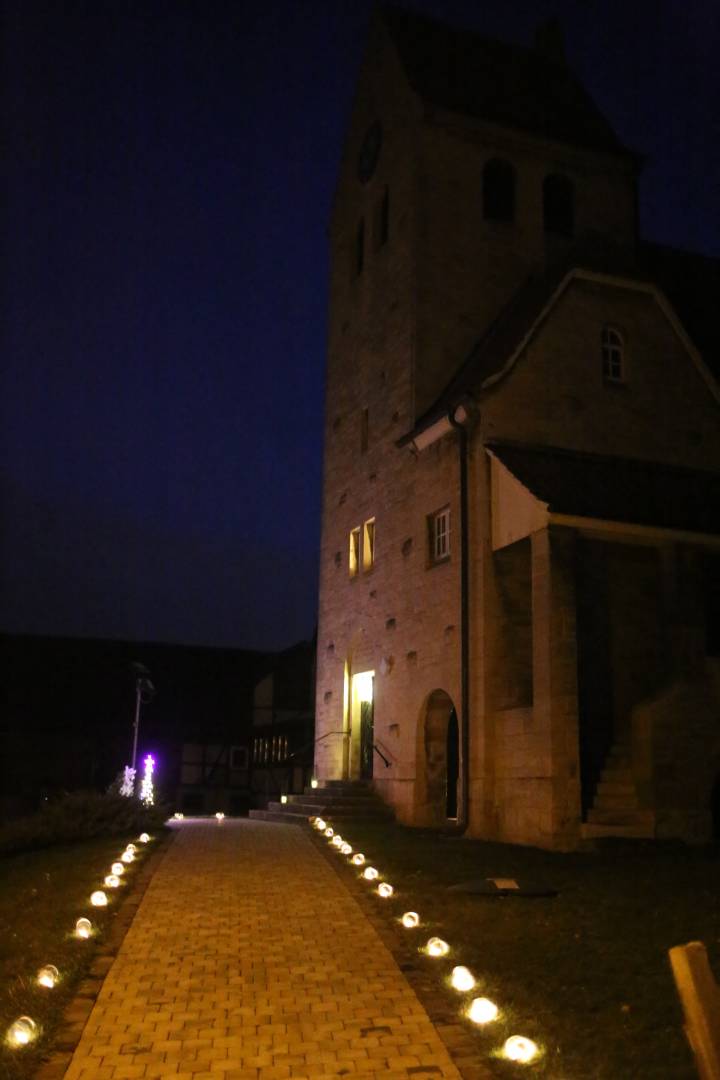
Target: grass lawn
586 973
42 893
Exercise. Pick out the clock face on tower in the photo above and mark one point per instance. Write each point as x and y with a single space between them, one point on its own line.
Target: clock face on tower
369 152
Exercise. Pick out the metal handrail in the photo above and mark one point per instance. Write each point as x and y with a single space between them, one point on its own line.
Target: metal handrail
377 750
314 742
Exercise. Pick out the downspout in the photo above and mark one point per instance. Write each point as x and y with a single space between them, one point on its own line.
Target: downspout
464 800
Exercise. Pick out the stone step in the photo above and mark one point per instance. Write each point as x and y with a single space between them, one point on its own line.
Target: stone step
355 785
619 817
372 810
342 799
590 831
341 792
627 802
617 776
616 787
618 761
340 806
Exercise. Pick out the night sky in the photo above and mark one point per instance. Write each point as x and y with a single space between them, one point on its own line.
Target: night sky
169 167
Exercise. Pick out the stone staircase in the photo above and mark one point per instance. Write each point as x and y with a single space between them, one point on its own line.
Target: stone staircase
616 811
332 799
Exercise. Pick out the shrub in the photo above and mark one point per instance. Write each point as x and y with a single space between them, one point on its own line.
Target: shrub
79 816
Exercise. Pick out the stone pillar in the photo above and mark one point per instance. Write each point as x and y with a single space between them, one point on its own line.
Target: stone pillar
684 621
555 692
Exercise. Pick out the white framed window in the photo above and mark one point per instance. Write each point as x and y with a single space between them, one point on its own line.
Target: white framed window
369 544
613 355
439 535
354 552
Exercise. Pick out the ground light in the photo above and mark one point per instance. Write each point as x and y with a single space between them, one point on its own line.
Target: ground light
329 831
518 1048
83 928
482 1011
220 816
346 849
320 825
410 919
437 947
99 898
144 838
370 873
128 856
47 976
118 868
112 881
178 816
22 1031
131 847
358 859
385 890
337 840
462 979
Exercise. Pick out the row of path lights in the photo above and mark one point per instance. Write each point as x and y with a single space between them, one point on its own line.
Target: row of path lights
481 1010
25 1030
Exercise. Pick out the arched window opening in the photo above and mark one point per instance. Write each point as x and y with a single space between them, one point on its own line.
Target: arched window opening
612 350
498 191
559 205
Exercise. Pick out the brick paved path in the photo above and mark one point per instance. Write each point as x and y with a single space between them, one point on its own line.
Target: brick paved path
248 959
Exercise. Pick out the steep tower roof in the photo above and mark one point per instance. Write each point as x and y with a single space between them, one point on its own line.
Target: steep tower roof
528 89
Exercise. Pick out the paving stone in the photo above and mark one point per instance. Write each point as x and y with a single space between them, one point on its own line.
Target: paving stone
247 959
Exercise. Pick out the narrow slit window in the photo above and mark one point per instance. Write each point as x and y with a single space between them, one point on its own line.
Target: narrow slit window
360 248
364 430
369 544
612 355
382 220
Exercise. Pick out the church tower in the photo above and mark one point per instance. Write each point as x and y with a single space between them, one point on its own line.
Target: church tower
483 203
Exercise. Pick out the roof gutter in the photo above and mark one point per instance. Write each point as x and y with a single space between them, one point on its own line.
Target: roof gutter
458 420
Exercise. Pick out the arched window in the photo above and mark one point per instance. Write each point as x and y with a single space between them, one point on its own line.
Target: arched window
559 205
613 355
498 191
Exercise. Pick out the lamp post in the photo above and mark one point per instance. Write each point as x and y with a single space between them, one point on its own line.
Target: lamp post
144 692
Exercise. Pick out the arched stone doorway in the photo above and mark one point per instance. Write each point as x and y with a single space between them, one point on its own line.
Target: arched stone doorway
438 760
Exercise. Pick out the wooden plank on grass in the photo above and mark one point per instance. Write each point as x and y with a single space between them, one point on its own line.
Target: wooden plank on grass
700 997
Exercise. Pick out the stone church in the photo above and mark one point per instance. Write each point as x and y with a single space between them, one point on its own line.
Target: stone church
519 630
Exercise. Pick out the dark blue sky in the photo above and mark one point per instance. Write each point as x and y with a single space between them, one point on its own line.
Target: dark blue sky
170 166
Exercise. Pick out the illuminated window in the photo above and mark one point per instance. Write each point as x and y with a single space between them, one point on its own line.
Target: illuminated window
558 205
498 191
439 535
369 544
354 563
612 355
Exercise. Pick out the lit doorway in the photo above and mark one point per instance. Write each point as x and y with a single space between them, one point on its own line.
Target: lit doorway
362 725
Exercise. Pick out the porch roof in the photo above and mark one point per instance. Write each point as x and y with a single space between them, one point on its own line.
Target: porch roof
615 489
